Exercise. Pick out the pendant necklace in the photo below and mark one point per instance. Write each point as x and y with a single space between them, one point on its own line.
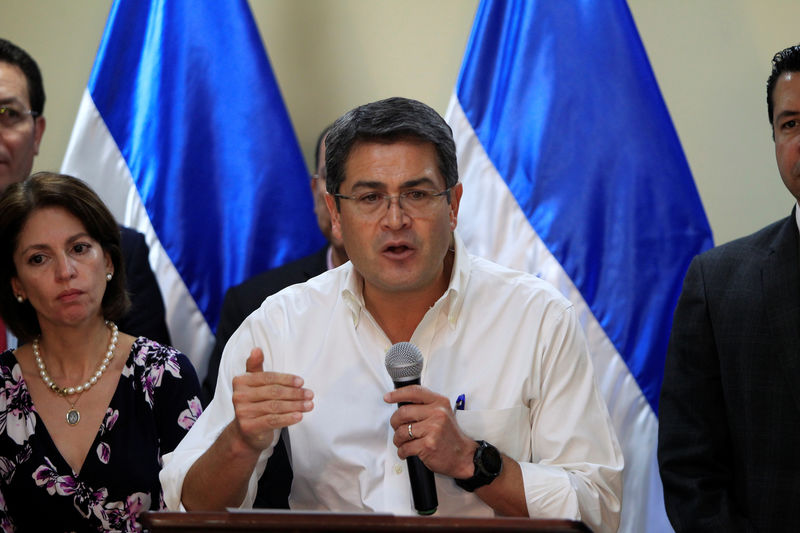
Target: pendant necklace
73 415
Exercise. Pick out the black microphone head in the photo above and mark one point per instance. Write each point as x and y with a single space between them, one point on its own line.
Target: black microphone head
404 362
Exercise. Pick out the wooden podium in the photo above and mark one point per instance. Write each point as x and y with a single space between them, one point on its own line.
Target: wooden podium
169 522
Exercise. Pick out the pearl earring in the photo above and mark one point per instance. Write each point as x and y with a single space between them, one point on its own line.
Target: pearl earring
20 299
109 276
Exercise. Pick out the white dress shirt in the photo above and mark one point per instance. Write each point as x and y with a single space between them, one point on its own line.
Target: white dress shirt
506 340
797 215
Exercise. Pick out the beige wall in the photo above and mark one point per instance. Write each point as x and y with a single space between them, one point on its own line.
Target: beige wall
711 58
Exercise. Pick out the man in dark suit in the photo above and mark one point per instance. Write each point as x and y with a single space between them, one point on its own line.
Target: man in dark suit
22 126
146 315
243 299
729 435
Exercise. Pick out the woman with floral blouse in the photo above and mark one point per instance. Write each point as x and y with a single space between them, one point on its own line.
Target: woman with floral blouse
86 411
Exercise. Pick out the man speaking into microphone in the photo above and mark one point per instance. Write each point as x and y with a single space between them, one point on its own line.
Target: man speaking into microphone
507 415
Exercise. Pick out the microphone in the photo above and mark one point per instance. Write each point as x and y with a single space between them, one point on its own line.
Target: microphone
404 364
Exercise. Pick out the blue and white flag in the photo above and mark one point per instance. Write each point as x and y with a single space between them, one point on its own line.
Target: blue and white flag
183 132
573 170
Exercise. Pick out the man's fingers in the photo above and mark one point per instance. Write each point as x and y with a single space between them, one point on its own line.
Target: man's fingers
253 410
408 432
257 420
256 429
413 394
266 401
259 430
256 401
435 414
268 380
255 363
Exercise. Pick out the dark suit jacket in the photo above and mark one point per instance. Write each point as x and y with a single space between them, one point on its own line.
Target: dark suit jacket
146 316
729 419
239 302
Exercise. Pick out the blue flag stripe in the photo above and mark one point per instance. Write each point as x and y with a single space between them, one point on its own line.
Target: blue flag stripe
187 92
563 99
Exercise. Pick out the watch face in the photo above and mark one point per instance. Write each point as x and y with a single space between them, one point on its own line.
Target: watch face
488 465
490 460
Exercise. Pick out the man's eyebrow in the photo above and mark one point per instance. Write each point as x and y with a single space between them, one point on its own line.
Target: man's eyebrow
11 100
367 184
786 113
417 182
379 185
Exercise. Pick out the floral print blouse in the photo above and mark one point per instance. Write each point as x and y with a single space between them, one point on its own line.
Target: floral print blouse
154 405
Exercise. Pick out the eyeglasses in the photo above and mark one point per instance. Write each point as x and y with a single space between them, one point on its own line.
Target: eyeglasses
413 202
12 115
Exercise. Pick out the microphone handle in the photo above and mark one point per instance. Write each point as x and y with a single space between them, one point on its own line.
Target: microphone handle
423 484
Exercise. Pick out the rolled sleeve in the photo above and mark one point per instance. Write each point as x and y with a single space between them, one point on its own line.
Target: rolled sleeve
577 463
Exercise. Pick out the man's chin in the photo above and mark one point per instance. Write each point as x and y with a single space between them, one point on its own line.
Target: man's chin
400 284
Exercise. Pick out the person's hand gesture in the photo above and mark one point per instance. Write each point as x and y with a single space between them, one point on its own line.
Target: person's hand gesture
266 401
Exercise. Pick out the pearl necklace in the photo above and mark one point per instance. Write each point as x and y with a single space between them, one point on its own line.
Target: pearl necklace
73 416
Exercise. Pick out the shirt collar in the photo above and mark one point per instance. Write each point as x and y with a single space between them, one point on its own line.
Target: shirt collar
329 257
453 298
450 302
352 293
797 215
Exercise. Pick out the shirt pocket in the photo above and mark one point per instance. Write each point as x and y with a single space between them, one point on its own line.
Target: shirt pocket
509 430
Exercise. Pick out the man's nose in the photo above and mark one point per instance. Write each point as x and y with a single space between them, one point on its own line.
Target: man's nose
395 216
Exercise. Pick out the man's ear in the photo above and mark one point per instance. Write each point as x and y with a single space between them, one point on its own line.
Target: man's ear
38 132
336 226
455 200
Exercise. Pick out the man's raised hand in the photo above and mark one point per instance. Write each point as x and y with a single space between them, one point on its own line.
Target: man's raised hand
266 401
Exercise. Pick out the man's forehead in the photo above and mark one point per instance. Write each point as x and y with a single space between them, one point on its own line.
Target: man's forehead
786 95
404 141
384 148
787 82
417 166
13 84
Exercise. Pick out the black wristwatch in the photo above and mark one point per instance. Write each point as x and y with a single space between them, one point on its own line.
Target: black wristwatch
488 465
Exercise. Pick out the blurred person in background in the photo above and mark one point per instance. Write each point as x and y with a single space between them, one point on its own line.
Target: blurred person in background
22 126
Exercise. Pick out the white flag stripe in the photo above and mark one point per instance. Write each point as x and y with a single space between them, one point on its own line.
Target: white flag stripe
93 156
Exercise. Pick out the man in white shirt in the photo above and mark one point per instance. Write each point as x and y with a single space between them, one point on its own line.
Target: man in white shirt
507 341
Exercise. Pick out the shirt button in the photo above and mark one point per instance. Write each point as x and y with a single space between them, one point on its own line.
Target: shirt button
398 468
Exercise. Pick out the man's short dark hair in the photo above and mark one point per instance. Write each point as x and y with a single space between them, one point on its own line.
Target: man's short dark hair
389 120
787 60
321 136
45 189
14 55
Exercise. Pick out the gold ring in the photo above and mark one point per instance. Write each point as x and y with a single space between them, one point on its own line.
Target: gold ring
410 435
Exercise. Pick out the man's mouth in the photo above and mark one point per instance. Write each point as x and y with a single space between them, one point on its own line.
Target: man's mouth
398 250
